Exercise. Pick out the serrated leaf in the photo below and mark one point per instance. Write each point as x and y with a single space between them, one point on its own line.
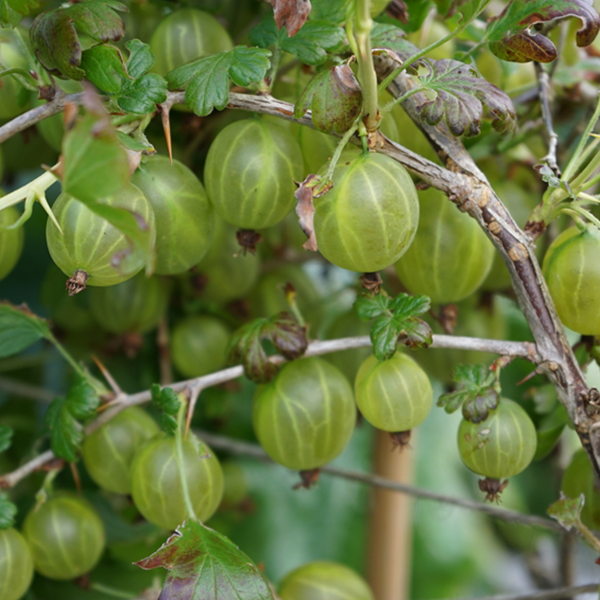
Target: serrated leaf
461 96
54 33
142 95
291 14
205 565
140 60
393 38
66 433
333 11
64 415
476 394
207 78
567 511
167 401
6 434
512 37
8 512
19 328
104 67
12 11
311 44
245 346
394 317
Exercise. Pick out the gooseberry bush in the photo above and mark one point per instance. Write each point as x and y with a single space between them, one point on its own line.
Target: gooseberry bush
283 231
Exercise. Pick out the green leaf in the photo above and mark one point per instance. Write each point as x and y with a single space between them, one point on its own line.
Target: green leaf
282 330
461 95
205 565
167 401
104 67
512 35
54 33
476 393
469 8
94 164
8 512
12 11
207 78
567 511
64 415
140 60
392 38
395 317
6 434
19 328
333 11
311 44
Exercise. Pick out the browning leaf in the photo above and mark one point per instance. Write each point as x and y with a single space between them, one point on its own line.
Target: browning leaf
511 36
291 13
312 187
461 95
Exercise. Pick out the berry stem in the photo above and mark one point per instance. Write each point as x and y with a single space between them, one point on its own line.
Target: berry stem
179 439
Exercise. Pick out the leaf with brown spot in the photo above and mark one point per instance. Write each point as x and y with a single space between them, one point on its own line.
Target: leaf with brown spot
291 13
511 37
205 565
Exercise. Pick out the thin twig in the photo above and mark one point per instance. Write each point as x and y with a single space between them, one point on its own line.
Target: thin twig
523 349
554 594
25 390
544 95
252 450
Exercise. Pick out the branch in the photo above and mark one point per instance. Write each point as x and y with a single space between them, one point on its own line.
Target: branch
25 390
252 450
555 594
544 96
523 349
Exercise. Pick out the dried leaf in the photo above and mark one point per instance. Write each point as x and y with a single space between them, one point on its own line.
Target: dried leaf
291 14
312 187
511 36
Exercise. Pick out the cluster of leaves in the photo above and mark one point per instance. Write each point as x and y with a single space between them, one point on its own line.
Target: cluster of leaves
476 394
65 416
246 345
168 403
395 317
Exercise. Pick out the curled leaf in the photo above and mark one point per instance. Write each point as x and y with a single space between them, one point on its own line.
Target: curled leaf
312 187
291 14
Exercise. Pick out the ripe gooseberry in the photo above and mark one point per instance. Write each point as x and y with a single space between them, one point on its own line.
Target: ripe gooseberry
16 564
450 256
579 478
501 446
108 452
156 485
185 35
91 244
250 172
184 217
393 395
572 272
134 306
305 417
325 581
11 241
66 537
198 345
367 221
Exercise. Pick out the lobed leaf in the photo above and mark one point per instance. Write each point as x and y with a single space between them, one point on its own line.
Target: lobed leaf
476 393
104 67
207 78
205 565
8 511
20 328
512 38
245 346
168 402
567 511
311 44
461 96
392 38
395 317
12 11
333 11
6 434
54 34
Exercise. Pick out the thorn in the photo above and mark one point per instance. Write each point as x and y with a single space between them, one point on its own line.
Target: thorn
164 115
530 376
76 478
114 386
194 392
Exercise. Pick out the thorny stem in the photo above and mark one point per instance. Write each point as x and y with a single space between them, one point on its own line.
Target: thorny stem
506 348
366 71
